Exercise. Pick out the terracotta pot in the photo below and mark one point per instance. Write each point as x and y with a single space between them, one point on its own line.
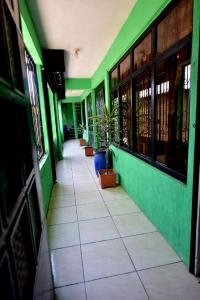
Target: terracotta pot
82 142
89 151
107 178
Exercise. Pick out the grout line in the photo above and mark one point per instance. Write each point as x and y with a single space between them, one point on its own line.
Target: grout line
115 275
128 253
109 216
80 247
106 240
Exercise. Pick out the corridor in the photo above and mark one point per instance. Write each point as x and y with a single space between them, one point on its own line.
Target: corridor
102 246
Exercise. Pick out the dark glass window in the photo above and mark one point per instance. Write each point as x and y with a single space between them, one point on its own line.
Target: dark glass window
154 122
90 120
125 112
114 78
125 67
34 99
115 111
172 110
175 26
142 53
142 91
100 105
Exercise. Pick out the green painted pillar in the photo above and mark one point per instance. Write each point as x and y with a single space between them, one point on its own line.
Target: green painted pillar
94 115
59 141
86 120
75 120
60 121
107 90
81 113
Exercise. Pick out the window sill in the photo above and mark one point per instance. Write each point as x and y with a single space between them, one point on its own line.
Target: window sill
156 165
43 161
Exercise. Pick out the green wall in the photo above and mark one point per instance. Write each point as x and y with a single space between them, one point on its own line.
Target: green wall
67 114
166 201
77 83
53 123
32 44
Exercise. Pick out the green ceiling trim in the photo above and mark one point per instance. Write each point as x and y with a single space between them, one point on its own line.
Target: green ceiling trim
77 83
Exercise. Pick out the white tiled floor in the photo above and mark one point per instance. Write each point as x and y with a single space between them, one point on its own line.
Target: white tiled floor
103 247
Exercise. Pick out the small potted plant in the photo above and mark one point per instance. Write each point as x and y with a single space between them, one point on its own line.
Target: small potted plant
81 129
107 132
89 150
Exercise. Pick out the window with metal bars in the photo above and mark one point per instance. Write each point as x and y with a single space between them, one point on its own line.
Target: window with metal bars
90 120
100 105
34 99
151 86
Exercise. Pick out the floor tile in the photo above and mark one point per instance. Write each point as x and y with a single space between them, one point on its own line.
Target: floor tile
150 250
62 215
69 190
105 259
113 193
45 296
72 292
97 230
132 224
92 211
88 187
122 206
88 197
63 235
120 287
67 266
61 201
170 282
82 180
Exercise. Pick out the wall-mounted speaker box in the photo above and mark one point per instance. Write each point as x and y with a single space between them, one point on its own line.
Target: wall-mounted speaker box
54 60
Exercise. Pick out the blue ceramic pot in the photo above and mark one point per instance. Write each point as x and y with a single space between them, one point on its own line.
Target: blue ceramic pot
99 161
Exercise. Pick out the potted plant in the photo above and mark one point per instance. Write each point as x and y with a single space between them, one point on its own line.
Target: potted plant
107 130
89 150
81 129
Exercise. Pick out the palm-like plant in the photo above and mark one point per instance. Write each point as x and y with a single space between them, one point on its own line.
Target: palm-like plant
107 131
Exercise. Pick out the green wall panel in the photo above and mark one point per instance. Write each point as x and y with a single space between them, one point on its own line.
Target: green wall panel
46 181
53 123
77 83
67 115
166 201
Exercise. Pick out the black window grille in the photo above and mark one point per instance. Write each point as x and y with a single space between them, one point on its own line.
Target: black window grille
151 87
90 120
34 99
100 105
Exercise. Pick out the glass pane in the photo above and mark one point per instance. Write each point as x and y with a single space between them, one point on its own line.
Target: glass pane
100 104
34 99
115 111
126 116
125 68
174 27
143 113
114 78
142 53
172 110
90 120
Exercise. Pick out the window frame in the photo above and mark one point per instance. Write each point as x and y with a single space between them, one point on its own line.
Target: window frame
40 134
186 41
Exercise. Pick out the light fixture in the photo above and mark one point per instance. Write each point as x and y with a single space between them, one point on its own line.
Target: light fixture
76 51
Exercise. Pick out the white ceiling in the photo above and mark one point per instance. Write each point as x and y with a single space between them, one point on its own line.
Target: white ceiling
90 25
73 93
